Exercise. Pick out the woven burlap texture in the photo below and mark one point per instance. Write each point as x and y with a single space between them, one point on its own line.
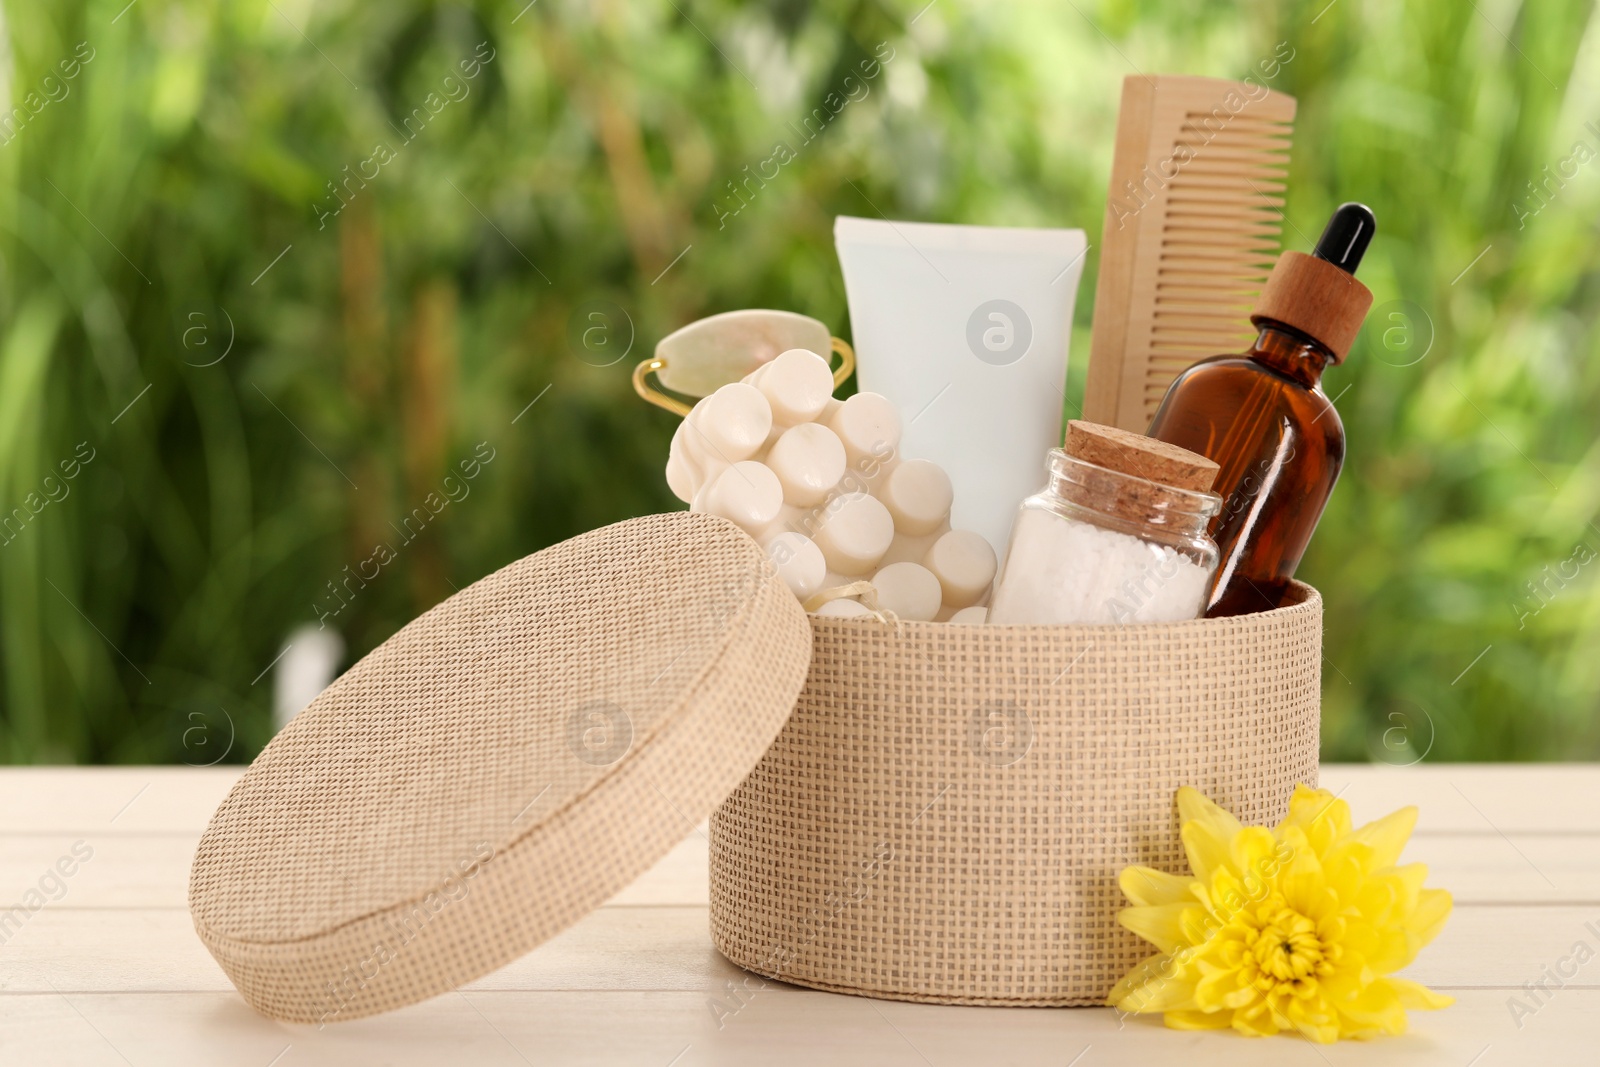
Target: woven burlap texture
499 768
945 815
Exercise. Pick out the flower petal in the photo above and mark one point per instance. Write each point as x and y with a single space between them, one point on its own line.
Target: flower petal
1198 1020
1195 806
1321 815
1376 1009
1223 989
1387 836
1256 1021
1392 948
1154 985
1433 908
1416 995
1255 856
1146 885
1207 834
1159 924
1303 885
1146 970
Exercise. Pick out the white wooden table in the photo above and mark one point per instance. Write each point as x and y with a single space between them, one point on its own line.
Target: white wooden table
110 971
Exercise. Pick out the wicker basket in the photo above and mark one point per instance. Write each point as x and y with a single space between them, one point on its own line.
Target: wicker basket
944 817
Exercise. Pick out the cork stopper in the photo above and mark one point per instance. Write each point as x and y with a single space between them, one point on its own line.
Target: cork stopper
1317 298
1140 456
1134 478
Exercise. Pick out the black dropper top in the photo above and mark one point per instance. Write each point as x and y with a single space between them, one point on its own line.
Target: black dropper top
1346 237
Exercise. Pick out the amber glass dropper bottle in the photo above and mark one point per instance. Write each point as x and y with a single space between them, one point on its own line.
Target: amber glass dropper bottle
1263 418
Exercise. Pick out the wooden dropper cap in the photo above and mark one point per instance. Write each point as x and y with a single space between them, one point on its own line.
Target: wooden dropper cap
1318 294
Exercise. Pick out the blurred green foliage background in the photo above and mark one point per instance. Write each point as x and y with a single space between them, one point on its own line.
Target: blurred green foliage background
263 386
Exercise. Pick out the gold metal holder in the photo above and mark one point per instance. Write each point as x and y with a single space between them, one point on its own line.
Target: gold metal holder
643 386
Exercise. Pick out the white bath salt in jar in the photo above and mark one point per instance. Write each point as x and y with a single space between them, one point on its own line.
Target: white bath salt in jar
1118 535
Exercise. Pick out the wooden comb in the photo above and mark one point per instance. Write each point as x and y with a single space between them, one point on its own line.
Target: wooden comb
1193 224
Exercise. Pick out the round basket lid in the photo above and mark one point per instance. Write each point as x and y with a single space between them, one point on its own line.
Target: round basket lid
499 768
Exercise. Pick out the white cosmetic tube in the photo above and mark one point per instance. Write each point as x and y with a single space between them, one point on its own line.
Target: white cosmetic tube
965 330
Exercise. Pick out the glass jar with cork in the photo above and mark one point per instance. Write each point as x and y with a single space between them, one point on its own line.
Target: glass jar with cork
1118 534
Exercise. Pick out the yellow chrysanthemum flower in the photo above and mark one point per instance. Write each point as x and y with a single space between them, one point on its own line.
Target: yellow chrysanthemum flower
1291 929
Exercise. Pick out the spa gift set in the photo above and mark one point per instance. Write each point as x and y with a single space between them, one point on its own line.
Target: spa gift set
930 708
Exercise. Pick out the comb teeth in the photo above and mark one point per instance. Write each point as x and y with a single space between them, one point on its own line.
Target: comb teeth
1193 226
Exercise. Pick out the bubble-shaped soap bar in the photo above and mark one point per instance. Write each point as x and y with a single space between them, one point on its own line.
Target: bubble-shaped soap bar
747 493
809 461
798 385
820 484
964 564
869 427
799 562
909 590
735 421
679 477
918 495
854 533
